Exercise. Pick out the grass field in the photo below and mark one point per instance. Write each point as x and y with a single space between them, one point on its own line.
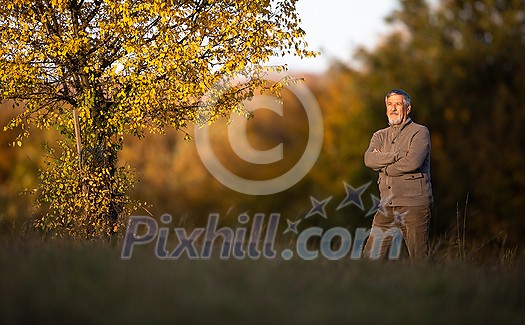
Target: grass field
71 282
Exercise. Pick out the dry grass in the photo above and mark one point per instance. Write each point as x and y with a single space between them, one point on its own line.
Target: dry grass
66 282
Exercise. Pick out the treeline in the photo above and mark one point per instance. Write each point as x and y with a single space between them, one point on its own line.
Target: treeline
463 64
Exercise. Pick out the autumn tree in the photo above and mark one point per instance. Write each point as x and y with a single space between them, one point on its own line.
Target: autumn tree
99 70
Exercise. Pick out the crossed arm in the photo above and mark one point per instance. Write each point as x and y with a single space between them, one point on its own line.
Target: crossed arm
399 162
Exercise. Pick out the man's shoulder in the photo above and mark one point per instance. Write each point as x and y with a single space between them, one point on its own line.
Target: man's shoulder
383 130
417 127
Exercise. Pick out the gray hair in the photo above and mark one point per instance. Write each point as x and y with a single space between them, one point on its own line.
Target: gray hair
406 96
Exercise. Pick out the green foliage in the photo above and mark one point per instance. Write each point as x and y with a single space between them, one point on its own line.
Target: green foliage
462 62
71 210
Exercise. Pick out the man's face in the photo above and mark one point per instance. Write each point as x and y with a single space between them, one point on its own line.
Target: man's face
396 111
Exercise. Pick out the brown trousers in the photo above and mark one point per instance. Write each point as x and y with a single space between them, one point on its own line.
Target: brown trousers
391 224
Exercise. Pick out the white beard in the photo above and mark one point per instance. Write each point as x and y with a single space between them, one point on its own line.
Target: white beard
395 121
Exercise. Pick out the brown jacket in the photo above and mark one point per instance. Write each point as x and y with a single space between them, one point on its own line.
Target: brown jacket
403 164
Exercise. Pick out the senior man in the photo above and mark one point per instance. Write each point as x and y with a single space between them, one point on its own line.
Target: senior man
401 155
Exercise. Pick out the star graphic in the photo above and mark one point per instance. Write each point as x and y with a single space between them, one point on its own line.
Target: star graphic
292 226
318 207
399 217
353 196
377 205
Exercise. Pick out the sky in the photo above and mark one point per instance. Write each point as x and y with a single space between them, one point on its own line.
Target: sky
337 27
